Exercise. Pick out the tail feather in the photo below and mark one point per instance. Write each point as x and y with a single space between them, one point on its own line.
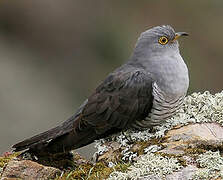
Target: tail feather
59 139
44 138
38 139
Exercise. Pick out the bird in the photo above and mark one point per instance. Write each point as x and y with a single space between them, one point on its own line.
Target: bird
140 94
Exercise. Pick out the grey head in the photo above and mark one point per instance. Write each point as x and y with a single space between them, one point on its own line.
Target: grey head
157 51
159 39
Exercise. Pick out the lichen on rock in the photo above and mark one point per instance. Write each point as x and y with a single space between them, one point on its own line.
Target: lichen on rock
198 108
211 166
149 164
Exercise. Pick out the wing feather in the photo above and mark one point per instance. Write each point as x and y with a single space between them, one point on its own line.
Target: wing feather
119 101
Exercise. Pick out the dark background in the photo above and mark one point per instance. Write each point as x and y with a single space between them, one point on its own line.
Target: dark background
54 53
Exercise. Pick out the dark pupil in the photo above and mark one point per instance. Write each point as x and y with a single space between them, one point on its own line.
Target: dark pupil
163 40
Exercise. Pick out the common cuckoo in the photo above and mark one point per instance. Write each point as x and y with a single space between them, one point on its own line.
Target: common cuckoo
142 93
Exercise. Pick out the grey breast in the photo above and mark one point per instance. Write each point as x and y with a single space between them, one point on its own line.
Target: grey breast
164 106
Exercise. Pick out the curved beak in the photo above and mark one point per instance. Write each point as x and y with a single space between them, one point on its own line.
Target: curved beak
179 34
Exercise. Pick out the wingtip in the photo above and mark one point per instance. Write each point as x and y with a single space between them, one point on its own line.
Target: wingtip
17 147
20 146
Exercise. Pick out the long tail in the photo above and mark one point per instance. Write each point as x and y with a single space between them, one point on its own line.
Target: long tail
43 139
59 139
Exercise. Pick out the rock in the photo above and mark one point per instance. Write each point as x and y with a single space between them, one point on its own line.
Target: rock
78 159
193 136
110 154
29 170
184 174
205 131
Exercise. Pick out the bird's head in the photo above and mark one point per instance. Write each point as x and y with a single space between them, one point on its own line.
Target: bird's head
159 40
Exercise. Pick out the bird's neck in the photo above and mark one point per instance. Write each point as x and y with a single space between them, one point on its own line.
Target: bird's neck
169 72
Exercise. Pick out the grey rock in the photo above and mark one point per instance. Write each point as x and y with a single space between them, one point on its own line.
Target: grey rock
184 174
28 170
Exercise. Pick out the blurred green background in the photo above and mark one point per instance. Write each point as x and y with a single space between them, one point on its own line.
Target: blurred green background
54 53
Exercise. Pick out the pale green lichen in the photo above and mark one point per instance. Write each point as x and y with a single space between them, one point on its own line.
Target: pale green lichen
201 108
152 149
149 164
211 164
211 160
202 174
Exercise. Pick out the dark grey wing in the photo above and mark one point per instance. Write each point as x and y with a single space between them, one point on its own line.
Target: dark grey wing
119 101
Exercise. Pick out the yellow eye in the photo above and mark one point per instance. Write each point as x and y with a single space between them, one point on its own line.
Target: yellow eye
163 40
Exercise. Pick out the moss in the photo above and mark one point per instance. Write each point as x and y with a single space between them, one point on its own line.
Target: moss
91 172
5 159
194 151
61 161
191 152
211 147
142 145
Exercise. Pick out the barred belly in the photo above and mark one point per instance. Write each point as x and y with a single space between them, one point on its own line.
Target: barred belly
164 106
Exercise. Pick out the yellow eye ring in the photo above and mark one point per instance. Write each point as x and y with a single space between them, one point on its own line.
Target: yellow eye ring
163 40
